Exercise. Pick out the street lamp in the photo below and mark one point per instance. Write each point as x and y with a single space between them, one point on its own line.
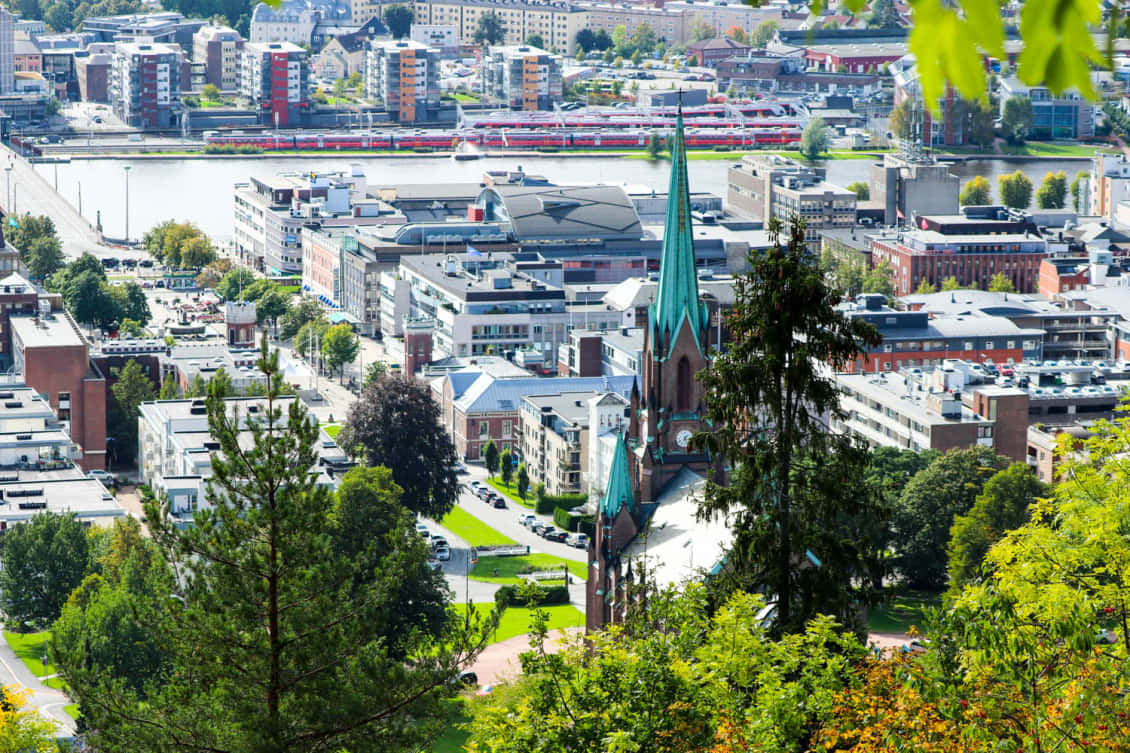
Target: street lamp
127 167
8 204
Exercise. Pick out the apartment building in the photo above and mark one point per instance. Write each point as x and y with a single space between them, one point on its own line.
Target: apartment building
523 77
554 440
404 76
917 339
275 79
918 412
1108 185
271 213
146 84
7 52
218 48
671 22
556 21
291 21
441 37
767 187
175 448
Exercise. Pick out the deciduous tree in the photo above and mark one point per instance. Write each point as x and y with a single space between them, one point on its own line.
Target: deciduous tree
1016 119
490 29
977 192
490 457
131 389
396 424
506 467
814 139
523 481
1015 190
1001 283
340 346
861 190
928 505
398 18
44 560
22 728
1053 191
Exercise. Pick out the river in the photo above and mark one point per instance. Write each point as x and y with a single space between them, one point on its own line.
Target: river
201 190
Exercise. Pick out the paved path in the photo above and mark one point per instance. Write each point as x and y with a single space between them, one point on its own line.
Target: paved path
48 701
499 662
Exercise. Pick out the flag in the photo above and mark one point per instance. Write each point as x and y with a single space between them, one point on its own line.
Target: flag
12 222
472 251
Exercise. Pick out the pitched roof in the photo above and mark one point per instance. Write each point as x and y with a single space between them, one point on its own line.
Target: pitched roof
678 280
488 394
618 490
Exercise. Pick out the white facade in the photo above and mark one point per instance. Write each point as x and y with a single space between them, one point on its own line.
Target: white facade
606 418
442 37
7 52
285 23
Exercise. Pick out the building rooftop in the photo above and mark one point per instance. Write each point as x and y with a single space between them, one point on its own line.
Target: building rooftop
51 330
571 407
594 212
487 394
911 396
86 498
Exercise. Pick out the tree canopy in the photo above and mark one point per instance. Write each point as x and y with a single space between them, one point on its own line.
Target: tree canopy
396 424
977 192
398 18
814 139
1053 191
1015 190
44 560
490 29
180 245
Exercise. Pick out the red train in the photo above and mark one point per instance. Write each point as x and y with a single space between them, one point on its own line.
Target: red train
544 138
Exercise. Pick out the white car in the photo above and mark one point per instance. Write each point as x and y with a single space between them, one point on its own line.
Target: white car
443 554
105 477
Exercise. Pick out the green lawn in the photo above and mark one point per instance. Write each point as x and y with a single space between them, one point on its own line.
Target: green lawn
29 647
472 530
511 492
71 710
333 430
908 608
454 737
515 621
290 289
508 567
460 97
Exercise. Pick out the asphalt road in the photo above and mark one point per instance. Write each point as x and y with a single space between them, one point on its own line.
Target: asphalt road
48 701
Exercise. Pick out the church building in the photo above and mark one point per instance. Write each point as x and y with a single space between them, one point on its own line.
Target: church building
654 461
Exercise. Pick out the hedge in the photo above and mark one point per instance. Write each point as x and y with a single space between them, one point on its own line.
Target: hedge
511 596
574 523
547 503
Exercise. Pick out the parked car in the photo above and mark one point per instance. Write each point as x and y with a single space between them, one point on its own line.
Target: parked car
105 477
499 503
558 536
110 262
526 519
578 540
438 542
546 531
483 492
538 525
423 531
147 263
443 554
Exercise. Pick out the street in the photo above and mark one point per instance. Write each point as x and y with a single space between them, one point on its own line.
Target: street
48 701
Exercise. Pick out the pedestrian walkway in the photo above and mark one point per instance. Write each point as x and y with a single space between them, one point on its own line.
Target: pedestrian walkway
48 701
32 193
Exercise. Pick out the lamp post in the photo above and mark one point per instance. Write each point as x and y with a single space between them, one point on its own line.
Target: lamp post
127 167
8 203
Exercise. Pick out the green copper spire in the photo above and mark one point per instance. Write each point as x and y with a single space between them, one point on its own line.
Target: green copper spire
618 491
678 280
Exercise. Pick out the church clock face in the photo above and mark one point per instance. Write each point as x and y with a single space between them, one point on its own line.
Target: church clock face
683 438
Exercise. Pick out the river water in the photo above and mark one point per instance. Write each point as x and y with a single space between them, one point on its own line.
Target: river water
200 190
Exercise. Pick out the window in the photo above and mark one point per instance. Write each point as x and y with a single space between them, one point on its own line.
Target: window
484 429
683 386
505 428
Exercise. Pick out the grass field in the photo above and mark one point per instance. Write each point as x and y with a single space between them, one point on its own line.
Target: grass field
907 609
460 97
515 621
29 647
511 492
508 567
472 530
71 710
333 430
453 739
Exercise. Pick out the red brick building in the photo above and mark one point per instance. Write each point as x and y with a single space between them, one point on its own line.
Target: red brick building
930 256
51 353
1060 275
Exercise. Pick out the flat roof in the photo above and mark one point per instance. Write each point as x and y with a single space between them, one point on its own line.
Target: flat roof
895 389
86 498
56 329
573 407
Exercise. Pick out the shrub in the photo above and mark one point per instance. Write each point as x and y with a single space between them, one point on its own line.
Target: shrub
563 520
723 148
547 503
423 149
511 596
249 149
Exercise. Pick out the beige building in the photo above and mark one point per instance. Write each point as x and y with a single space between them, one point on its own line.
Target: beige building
672 25
554 440
770 186
556 21
218 47
722 14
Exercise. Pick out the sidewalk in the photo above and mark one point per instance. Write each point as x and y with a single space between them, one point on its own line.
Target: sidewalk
48 701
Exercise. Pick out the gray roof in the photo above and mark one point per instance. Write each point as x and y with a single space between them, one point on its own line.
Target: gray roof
566 212
964 301
490 395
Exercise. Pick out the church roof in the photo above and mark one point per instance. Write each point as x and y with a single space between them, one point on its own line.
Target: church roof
678 278
618 490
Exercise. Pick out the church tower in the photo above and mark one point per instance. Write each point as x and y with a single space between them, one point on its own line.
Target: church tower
676 347
618 521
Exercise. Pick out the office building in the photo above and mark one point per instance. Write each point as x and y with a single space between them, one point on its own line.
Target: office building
404 76
773 187
218 48
908 186
523 78
274 78
1054 116
970 257
166 27
145 84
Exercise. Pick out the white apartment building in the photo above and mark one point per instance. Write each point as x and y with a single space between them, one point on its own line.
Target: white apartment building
7 52
175 448
442 37
145 83
286 22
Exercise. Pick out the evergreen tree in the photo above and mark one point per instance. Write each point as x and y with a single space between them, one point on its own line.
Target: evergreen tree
796 492
490 457
506 467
